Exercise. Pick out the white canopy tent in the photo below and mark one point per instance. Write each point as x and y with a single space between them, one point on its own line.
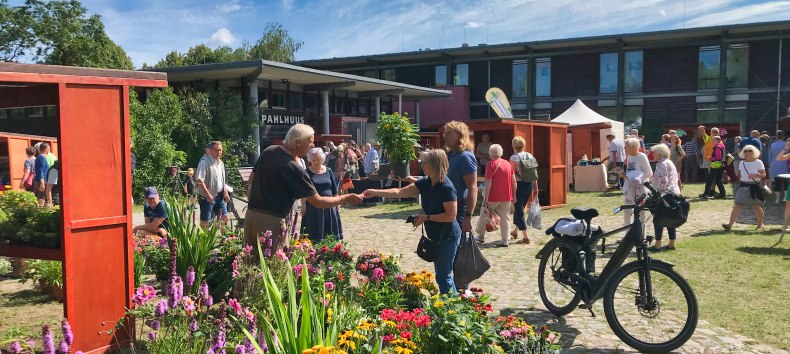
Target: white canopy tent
580 114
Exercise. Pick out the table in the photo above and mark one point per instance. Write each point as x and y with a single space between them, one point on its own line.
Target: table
590 178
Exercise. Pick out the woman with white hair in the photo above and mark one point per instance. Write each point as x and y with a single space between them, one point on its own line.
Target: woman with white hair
637 171
499 194
664 180
317 223
751 172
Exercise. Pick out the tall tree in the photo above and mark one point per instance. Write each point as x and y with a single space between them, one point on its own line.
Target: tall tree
58 32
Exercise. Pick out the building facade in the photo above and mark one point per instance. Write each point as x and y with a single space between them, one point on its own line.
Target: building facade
737 76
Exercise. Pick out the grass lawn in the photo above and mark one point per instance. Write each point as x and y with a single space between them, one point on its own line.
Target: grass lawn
741 283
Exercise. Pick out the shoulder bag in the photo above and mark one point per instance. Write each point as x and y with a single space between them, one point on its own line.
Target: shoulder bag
767 192
470 264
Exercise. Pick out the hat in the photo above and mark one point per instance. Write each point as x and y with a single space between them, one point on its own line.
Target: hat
150 192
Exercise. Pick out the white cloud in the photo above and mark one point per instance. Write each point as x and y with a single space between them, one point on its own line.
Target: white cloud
663 13
472 24
229 7
287 4
769 11
221 37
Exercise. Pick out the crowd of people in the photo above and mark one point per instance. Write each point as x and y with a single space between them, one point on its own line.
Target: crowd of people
41 174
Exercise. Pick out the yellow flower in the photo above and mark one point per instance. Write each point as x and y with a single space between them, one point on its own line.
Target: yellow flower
345 343
451 312
468 335
328 315
438 304
402 350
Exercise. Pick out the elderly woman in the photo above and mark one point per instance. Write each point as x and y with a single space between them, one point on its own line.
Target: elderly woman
717 164
665 180
676 154
523 189
499 194
28 174
637 171
439 205
751 172
318 223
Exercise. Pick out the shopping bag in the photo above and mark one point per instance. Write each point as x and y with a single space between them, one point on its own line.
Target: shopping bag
492 219
534 215
346 183
470 264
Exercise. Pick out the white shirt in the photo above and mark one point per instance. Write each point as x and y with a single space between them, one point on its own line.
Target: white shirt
747 168
639 167
371 161
616 146
52 176
216 178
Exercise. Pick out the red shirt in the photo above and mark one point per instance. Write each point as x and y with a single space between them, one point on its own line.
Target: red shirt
501 181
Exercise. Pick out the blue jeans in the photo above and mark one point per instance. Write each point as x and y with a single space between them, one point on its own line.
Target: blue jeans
445 260
523 191
210 210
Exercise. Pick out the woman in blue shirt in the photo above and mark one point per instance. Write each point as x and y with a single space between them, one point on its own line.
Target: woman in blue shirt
439 205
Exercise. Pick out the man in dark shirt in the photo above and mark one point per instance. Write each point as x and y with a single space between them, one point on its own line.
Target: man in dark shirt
276 182
753 140
155 215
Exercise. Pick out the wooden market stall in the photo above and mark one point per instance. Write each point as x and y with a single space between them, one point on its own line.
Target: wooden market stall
92 124
545 140
13 156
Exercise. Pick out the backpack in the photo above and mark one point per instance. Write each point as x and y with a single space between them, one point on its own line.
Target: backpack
528 168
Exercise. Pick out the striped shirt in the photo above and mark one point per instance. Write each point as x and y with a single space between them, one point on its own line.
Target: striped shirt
690 147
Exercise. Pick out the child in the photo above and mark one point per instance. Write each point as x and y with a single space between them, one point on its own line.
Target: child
189 187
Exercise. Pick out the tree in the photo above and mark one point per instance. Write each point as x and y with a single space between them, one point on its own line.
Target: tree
58 32
275 44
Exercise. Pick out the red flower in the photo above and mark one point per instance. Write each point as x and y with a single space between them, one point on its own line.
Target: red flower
405 335
389 338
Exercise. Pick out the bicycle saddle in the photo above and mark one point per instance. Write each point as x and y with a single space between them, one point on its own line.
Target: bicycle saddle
585 214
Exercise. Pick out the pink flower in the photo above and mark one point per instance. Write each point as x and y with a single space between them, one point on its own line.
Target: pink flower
143 294
247 249
233 303
250 316
189 305
235 267
190 276
506 334
378 274
400 277
282 255
329 286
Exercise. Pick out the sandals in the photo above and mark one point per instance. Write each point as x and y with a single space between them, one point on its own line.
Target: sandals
761 228
524 241
514 234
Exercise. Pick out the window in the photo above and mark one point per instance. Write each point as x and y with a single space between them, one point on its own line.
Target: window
737 65
389 74
543 77
520 79
632 118
441 75
369 73
707 113
3 114
709 61
735 112
461 74
608 83
263 99
608 112
632 82
295 101
278 100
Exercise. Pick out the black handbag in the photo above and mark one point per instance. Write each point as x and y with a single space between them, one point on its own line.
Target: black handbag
427 248
470 264
672 211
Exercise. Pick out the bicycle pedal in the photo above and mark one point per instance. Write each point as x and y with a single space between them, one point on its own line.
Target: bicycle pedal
588 307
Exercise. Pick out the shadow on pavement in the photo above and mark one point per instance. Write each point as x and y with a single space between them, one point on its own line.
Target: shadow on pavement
766 251
395 215
26 298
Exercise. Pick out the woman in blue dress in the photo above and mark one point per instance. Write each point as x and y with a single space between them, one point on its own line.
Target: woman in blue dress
318 223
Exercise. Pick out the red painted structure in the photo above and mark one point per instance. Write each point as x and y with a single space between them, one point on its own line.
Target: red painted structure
12 152
94 141
545 140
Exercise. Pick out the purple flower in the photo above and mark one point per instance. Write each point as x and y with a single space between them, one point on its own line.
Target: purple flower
175 291
155 325
15 348
189 305
161 308
240 349
378 274
49 343
329 285
152 336
262 341
64 347
143 294
68 336
31 343
233 303
267 253
193 326
204 295
190 276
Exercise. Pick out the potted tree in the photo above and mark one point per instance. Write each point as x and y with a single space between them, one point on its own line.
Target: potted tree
398 137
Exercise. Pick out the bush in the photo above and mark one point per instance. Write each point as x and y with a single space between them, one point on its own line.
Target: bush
12 200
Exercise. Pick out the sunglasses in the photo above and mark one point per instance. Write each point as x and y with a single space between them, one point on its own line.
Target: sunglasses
748 152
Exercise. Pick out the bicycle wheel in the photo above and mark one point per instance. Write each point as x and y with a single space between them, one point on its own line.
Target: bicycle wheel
657 326
558 260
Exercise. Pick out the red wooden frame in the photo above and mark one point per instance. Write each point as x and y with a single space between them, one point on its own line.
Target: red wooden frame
94 141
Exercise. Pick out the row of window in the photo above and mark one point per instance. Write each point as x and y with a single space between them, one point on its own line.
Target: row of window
708 74
30 112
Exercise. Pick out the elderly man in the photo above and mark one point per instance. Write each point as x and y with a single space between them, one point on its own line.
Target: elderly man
155 214
210 179
753 140
277 181
371 161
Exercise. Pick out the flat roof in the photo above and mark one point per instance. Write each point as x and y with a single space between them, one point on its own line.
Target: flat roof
311 79
738 30
23 74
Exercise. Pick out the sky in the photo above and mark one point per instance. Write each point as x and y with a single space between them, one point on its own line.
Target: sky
149 29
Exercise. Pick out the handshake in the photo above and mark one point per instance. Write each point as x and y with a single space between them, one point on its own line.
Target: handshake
355 199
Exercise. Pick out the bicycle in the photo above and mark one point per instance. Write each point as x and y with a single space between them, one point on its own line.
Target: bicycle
635 295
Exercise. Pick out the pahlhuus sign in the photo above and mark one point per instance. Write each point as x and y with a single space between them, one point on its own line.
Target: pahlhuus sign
276 122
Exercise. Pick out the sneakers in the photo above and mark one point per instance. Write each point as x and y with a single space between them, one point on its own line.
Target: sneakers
480 239
727 227
500 244
720 196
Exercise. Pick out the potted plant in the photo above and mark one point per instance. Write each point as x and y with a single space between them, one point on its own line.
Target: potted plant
398 137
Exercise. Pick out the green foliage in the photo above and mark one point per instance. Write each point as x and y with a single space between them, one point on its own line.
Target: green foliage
5 266
58 32
194 243
12 200
49 273
152 124
275 44
376 296
398 136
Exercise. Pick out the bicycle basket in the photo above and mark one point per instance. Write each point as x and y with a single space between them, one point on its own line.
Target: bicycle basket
672 211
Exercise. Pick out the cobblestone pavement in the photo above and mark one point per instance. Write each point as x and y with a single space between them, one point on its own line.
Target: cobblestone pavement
512 279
